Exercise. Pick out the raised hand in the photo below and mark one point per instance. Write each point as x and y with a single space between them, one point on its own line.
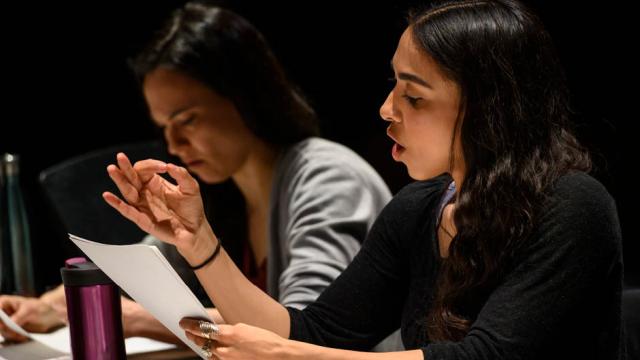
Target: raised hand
173 213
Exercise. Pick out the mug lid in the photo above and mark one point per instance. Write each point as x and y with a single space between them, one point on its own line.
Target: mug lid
83 274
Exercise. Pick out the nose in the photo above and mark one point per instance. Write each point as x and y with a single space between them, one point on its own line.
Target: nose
386 110
175 140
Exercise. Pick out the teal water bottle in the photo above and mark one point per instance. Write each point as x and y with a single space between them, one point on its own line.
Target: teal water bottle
6 272
18 229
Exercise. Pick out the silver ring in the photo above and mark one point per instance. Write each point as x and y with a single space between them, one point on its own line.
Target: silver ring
206 349
207 329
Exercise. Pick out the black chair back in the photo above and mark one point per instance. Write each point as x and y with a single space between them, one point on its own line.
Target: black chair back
74 189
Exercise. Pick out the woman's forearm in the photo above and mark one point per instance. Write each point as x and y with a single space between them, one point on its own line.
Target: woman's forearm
56 299
235 297
137 321
54 296
152 329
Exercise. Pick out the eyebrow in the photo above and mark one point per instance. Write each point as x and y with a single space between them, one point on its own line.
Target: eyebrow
412 77
179 111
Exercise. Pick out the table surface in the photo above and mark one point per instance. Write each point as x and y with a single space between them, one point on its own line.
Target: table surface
33 350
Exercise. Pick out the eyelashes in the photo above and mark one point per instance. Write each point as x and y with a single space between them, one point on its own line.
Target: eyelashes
178 123
188 120
413 101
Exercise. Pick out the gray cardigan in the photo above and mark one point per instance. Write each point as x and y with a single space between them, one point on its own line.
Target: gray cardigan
324 199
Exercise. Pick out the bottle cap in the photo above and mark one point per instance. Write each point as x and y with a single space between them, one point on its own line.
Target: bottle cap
11 162
83 274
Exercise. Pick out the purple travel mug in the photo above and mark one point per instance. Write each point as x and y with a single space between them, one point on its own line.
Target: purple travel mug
94 312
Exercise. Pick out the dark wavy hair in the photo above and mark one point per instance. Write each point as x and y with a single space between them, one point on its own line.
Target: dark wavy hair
225 52
516 142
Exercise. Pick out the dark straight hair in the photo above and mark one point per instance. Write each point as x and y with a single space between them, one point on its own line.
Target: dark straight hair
225 52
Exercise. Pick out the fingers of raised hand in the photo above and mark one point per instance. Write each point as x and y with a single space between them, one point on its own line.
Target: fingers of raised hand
127 189
157 206
128 211
127 170
146 169
186 183
131 179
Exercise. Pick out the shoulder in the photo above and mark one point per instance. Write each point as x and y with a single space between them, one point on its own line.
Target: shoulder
317 151
403 224
579 194
315 161
417 200
579 212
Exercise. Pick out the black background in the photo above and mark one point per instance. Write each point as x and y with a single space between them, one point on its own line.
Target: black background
67 88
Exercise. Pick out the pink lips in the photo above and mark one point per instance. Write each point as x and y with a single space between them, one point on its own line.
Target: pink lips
396 151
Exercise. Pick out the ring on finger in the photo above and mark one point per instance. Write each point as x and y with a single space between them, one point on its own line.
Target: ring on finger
207 329
206 348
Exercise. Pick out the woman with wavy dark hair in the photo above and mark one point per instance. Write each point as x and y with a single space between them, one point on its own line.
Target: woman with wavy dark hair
506 248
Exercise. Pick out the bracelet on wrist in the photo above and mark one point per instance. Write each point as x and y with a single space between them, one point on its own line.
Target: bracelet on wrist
213 256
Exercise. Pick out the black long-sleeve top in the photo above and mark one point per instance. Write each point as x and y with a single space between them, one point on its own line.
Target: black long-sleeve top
560 301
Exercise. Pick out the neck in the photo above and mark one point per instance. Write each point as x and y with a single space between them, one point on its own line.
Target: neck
458 178
447 214
255 177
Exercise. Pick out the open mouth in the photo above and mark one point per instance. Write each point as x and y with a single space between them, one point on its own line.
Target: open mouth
396 151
